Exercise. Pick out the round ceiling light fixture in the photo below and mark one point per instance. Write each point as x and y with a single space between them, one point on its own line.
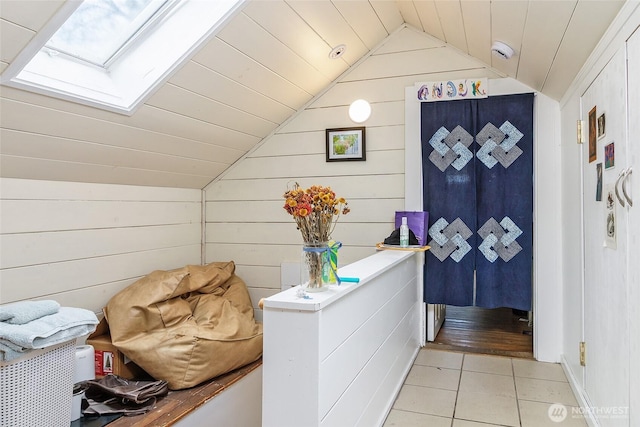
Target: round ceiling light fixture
337 51
502 50
359 110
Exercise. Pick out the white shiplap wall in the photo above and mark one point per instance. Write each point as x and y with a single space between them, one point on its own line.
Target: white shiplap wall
72 142
80 243
244 215
615 316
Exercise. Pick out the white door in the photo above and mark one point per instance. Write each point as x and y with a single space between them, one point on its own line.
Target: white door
435 318
633 241
606 304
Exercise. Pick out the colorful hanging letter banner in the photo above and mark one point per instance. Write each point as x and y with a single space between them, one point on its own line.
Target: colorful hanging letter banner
447 90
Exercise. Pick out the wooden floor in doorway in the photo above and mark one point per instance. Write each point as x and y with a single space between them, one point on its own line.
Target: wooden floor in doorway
488 331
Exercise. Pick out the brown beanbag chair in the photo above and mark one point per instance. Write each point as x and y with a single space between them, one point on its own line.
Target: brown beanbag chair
187 325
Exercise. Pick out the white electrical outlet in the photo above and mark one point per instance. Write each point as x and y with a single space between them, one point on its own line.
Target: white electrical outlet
289 274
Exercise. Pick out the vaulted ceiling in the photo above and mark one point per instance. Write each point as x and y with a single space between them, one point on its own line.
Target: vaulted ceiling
266 63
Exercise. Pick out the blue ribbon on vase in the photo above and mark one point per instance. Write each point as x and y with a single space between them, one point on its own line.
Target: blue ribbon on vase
327 254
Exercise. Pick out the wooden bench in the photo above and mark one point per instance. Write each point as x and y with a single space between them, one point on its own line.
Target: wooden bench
230 398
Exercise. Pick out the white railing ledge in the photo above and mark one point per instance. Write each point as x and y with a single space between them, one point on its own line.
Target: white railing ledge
365 269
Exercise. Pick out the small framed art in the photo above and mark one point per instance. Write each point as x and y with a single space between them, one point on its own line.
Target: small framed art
593 128
346 144
609 156
599 182
601 125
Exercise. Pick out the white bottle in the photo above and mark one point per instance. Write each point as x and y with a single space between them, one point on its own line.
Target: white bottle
404 233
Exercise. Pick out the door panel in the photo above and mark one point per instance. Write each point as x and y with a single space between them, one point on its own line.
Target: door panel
435 317
605 286
633 241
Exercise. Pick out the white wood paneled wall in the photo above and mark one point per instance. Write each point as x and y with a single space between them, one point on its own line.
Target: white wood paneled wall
598 299
245 221
80 243
71 142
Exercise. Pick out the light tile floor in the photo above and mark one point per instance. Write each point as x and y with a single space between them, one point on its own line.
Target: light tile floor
449 389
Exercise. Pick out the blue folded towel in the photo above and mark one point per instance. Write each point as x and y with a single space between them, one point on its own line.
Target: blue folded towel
68 323
21 312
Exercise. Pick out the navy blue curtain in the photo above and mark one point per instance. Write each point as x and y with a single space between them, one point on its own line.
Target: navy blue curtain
478 190
450 198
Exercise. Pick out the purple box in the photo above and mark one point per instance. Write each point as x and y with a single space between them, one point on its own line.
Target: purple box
418 222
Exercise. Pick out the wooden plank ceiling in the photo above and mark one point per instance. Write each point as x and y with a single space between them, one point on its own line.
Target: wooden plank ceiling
264 66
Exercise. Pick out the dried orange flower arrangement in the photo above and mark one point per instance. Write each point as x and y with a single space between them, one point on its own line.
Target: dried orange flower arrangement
315 210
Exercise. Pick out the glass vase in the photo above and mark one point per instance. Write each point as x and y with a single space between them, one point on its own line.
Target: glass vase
314 266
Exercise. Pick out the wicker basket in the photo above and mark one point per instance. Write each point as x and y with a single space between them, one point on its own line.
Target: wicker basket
37 389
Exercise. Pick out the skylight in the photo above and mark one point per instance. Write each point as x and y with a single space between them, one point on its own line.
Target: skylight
98 29
112 54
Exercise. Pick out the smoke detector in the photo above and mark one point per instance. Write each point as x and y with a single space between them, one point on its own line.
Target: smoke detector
337 51
502 50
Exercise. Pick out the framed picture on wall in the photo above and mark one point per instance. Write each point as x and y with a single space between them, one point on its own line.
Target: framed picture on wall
346 144
599 182
601 126
593 135
609 156
610 218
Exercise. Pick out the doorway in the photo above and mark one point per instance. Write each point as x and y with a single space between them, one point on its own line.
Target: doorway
548 308
496 331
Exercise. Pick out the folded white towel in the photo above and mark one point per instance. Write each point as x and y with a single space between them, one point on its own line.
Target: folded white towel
21 312
68 323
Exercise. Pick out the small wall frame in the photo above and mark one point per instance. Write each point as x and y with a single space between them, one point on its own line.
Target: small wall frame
593 128
346 144
601 126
